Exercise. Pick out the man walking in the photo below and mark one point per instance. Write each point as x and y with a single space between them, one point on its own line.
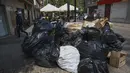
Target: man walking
19 23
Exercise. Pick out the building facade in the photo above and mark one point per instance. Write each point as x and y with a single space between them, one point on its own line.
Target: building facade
115 10
8 14
91 5
119 12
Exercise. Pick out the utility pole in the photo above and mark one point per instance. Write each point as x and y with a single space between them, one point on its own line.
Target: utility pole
75 11
68 11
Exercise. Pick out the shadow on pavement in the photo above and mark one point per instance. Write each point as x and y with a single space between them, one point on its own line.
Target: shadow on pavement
12 59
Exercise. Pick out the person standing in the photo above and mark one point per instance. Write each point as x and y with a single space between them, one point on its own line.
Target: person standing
19 23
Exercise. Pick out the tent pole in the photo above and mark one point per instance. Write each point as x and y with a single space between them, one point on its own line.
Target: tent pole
75 10
68 11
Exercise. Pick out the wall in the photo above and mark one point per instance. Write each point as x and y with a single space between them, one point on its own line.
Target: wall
14 3
101 9
87 10
10 11
118 12
10 7
3 29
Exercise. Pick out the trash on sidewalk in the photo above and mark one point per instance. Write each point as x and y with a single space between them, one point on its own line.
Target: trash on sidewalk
40 45
35 40
91 49
91 33
73 43
42 25
73 25
64 37
118 59
47 55
113 41
90 65
69 58
98 23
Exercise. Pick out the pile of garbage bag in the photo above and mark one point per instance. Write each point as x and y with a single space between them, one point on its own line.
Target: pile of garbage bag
40 45
47 55
72 49
89 65
111 39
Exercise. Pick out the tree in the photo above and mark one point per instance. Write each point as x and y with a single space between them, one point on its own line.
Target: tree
57 3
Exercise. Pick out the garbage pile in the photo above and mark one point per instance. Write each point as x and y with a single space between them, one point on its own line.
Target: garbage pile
41 46
76 50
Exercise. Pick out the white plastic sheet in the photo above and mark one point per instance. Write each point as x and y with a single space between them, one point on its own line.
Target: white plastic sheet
64 8
49 8
69 58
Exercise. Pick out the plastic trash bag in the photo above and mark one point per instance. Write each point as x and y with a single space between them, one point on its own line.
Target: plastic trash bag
47 55
42 25
65 38
112 40
91 49
30 43
91 33
120 37
89 65
69 58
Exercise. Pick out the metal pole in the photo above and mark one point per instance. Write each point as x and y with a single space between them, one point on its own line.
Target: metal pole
68 11
84 6
47 1
75 11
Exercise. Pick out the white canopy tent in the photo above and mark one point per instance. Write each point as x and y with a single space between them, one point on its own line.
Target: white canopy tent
64 7
49 8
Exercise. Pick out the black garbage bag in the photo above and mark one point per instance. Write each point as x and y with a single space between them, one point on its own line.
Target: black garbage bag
74 38
120 37
63 37
47 55
42 25
113 41
90 65
110 39
91 33
37 39
91 49
59 34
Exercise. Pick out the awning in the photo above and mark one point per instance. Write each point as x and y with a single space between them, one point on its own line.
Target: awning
64 8
49 8
101 2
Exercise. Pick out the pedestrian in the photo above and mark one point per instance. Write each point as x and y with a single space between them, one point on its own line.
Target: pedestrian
19 23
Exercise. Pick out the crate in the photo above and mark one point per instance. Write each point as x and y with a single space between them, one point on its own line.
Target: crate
118 59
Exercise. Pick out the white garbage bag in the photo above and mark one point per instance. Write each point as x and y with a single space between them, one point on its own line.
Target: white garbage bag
69 58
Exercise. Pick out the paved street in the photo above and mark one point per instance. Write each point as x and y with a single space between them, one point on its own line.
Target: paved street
124 31
12 59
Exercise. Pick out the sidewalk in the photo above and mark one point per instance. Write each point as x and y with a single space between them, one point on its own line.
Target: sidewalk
12 58
121 24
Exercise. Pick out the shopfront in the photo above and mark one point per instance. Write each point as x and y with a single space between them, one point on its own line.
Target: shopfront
115 10
119 12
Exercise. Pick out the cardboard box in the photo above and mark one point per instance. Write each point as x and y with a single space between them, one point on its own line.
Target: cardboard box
118 59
